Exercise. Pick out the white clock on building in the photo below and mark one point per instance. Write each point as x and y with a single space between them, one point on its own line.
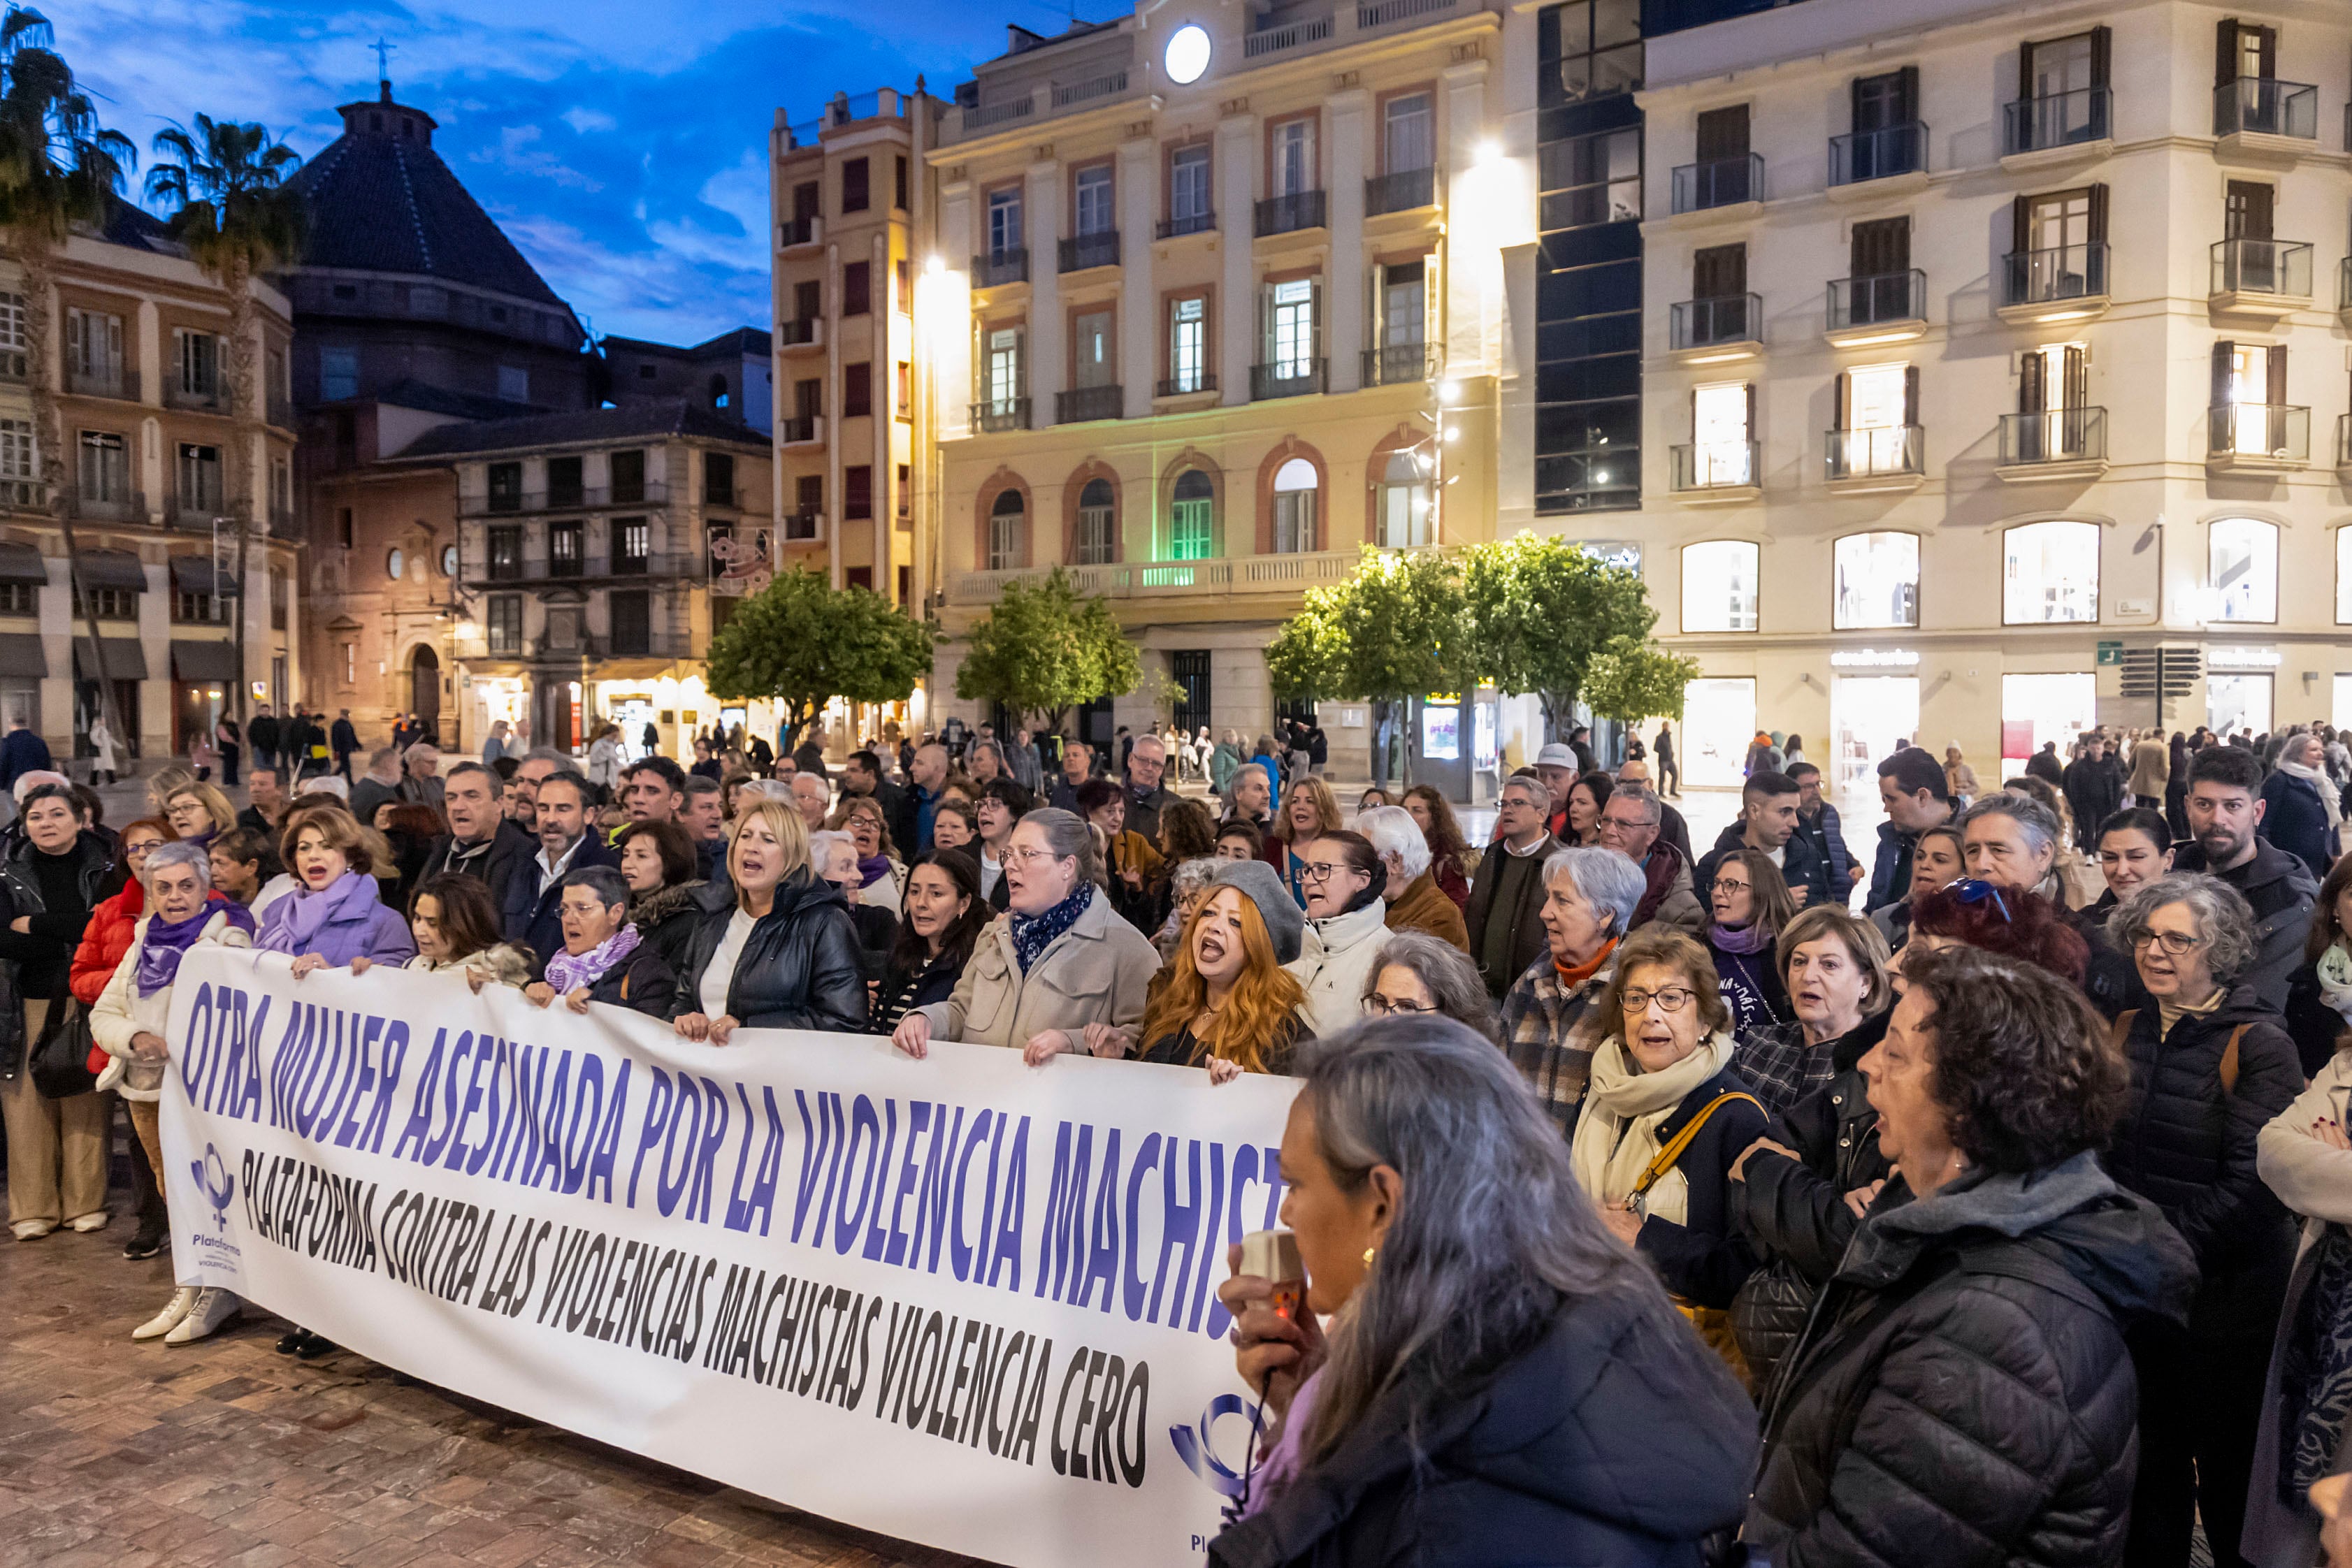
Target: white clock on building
1188 54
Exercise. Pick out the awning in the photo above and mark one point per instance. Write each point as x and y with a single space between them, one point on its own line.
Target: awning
110 568
632 669
22 563
22 657
192 661
126 660
194 574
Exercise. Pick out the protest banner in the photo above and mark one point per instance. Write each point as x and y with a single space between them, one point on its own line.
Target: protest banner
960 1300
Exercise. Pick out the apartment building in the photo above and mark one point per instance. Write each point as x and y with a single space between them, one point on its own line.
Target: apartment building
138 349
1995 372
1220 298
851 194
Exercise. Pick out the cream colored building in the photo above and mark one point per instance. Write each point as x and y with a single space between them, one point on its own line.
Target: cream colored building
1996 372
1218 298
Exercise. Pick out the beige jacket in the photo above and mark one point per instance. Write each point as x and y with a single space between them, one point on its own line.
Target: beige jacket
121 1012
1096 972
2308 1176
2151 768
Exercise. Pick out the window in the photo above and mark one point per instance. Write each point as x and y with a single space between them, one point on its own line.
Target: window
1591 180
1290 329
808 493
717 479
201 608
94 352
1091 364
281 589
107 604
632 622
1886 137
1877 411
1191 518
808 301
1295 487
2058 244
12 334
856 390
343 527
20 461
805 201
504 622
906 404
2242 565
196 364
628 478
898 189
20 598
506 553
857 288
857 490
1407 144
103 471
1400 506
1003 370
514 383
339 374
903 270
200 478
854 186
506 487
565 550
2061 91
565 484
1294 172
1188 189
1004 221
2250 414
1092 206
1877 582
1590 49
1723 434
1188 329
1096 544
1719 586
905 494
1403 303
1005 521
2050 572
631 538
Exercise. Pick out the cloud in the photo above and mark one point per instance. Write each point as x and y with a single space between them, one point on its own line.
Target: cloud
584 120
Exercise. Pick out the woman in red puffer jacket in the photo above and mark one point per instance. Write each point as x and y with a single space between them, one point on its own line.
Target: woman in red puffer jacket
115 920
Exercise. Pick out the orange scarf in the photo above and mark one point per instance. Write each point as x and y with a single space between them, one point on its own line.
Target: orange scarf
1574 975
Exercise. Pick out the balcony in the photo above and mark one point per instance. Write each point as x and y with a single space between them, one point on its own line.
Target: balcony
805 527
1403 191
1286 378
800 233
1717 331
2263 115
2056 127
1860 461
1723 187
801 430
1866 157
1299 211
1400 364
797 337
1070 95
1891 307
1191 224
126 507
2061 443
1371 14
2061 283
1276 40
26 496
591 568
1081 252
576 498
195 512
13 365
1230 577
1195 385
994 415
1000 267
1718 473
2258 438
1080 405
980 117
115 381
211 398
2261 278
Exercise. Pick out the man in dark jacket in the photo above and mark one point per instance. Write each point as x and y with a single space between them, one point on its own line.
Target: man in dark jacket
1768 822
2044 765
2295 797
483 843
1147 796
261 737
343 739
1912 789
533 907
22 752
1819 825
1506 909
2225 813
2093 786
809 755
605 958
1629 824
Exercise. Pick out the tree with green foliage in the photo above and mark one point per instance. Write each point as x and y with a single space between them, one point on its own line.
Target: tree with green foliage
1391 631
1539 611
1044 650
801 642
1632 678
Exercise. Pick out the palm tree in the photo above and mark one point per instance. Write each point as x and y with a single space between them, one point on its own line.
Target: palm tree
59 167
238 219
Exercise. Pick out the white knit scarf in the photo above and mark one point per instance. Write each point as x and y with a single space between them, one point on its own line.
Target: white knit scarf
2335 972
1617 1131
2321 782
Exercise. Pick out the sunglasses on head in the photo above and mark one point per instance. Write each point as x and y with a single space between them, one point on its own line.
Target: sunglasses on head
1970 890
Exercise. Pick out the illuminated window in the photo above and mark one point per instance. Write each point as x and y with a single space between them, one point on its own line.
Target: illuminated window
2050 572
1877 582
1719 586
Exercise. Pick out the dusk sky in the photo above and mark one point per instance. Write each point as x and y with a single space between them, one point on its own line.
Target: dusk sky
621 145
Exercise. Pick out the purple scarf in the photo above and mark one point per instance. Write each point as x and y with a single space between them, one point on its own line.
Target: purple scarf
1742 939
567 971
873 869
297 920
163 946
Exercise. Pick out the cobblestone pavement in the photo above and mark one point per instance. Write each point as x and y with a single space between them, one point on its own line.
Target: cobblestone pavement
115 1455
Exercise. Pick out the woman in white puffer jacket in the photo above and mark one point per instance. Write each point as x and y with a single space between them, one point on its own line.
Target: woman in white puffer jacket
1346 926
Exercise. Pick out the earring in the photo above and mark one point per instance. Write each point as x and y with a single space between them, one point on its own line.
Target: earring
1369 1253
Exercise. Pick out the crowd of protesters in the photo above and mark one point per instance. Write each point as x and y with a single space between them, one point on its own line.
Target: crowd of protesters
1935 1206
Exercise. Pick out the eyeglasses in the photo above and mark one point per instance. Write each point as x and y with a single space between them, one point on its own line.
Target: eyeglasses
1673 999
2172 943
1971 890
1379 1006
1622 826
1031 857
1319 872
1725 885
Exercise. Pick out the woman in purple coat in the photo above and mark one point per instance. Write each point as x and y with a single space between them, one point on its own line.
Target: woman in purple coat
334 915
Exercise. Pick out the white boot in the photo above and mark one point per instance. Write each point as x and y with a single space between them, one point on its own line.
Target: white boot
213 1309
167 1320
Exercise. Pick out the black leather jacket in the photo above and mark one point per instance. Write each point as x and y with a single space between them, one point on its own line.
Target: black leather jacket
20 895
799 969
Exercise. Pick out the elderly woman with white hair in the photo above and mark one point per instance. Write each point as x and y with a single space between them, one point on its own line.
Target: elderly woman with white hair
1590 895
1415 901
127 1023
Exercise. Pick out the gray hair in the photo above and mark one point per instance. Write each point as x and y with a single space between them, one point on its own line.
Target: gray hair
1492 1235
1192 875
606 883
2040 823
1605 879
1445 972
548 754
179 851
1394 832
1068 837
1642 794
820 847
988 746
1537 796
1257 767
2223 918
497 785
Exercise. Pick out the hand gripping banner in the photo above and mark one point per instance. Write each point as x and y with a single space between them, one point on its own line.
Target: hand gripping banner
959 1300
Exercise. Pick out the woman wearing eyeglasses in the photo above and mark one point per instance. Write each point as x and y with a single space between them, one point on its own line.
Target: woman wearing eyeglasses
1417 973
1346 923
1747 910
2210 1064
1228 1004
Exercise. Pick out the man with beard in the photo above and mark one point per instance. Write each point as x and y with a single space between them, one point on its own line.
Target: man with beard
2225 808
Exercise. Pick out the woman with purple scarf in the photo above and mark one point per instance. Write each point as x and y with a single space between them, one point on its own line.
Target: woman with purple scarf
1746 909
127 1023
335 913
604 957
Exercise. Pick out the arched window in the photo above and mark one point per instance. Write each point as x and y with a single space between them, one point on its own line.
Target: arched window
1719 586
1877 582
1193 518
2242 567
1005 521
2050 572
1097 525
1293 507
1402 502
717 392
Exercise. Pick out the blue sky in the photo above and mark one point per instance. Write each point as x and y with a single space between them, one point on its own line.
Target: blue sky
621 145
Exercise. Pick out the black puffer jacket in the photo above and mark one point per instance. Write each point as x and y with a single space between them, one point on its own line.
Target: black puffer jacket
2188 1148
799 969
1963 1395
646 984
1618 1439
34 964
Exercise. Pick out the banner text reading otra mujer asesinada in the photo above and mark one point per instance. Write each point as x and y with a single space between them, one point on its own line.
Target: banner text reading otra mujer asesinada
960 1300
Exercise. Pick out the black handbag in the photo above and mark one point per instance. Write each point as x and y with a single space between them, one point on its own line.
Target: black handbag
59 1060
1769 1314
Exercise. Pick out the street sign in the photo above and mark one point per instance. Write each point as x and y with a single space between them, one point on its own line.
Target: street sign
2111 653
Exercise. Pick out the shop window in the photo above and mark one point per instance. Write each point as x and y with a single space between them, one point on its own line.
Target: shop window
1720 581
2242 563
1877 582
2050 573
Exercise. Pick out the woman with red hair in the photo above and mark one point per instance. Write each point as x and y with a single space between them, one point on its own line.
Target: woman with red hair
1998 919
1227 1003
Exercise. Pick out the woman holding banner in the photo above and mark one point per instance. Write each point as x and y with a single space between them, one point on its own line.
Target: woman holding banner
1501 1382
335 913
782 954
1229 1004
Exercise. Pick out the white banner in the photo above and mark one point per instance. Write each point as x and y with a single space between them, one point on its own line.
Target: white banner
959 1300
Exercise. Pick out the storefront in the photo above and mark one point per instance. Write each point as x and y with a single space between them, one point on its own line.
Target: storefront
202 673
2038 708
2241 689
1870 714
